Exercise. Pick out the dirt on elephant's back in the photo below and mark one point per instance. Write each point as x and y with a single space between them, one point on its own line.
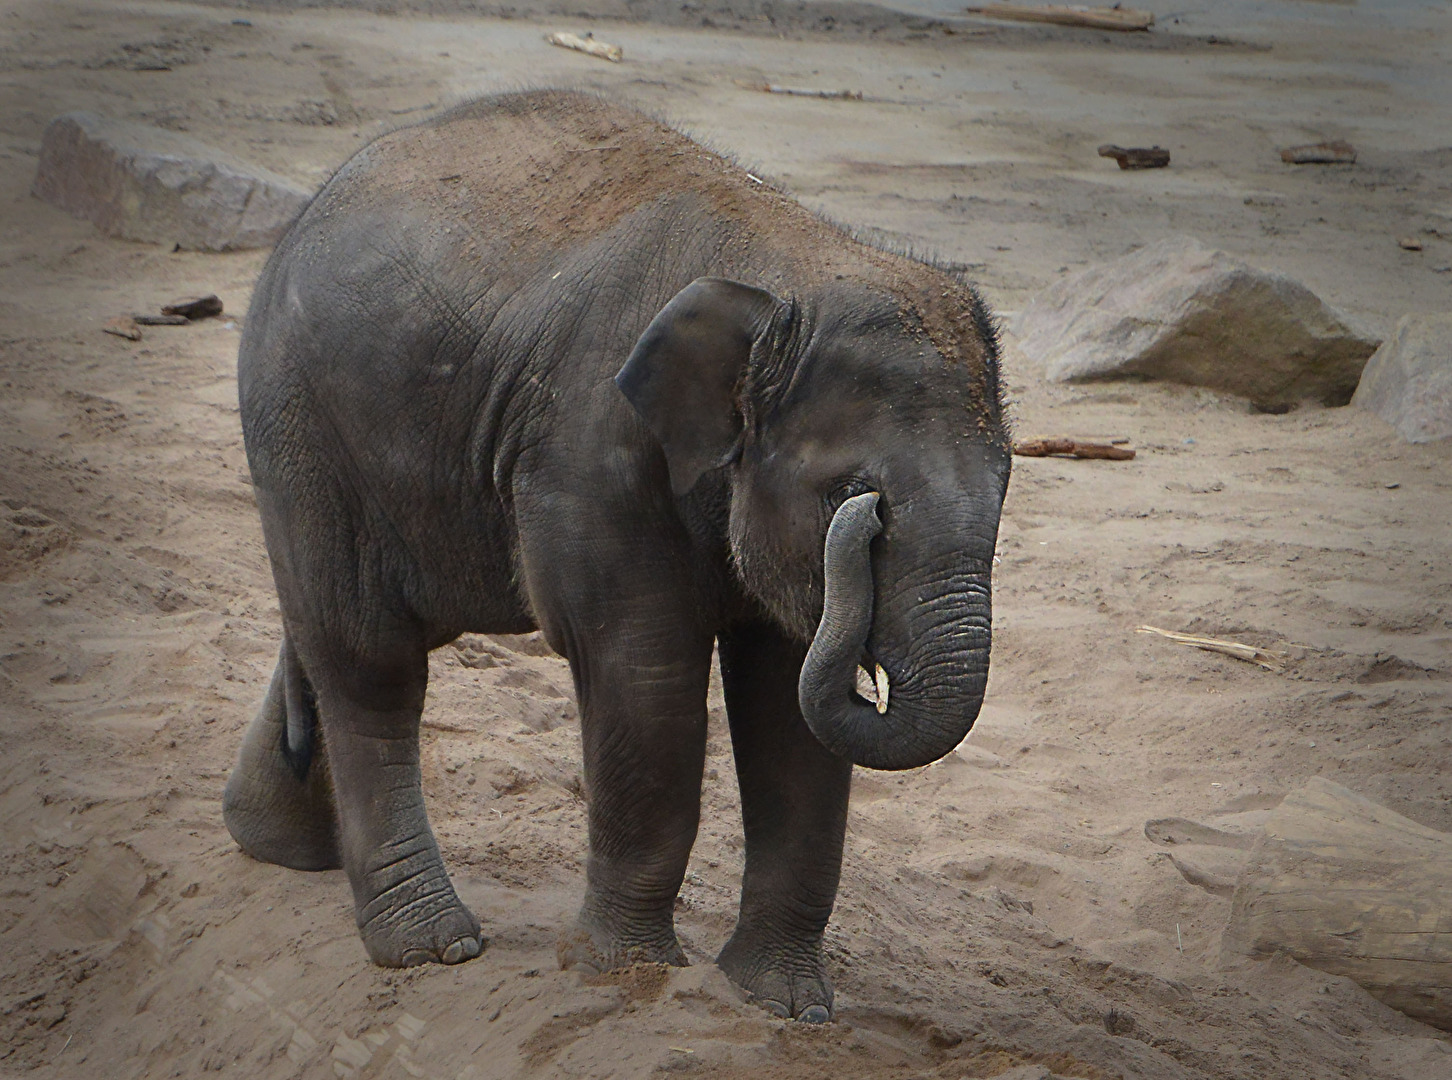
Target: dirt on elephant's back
542 173
557 168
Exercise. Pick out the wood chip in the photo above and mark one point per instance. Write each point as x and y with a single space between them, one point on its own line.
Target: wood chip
1322 153
194 307
1099 18
123 326
588 45
1079 448
1251 654
1409 243
1136 157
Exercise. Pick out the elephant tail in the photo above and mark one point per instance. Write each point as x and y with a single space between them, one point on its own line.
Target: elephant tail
301 710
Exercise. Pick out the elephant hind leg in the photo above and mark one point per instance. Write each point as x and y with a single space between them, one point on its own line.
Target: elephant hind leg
278 804
369 708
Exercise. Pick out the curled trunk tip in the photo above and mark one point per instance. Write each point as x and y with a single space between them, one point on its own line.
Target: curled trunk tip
909 725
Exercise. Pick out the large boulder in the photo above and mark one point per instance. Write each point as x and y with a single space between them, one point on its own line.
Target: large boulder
1181 311
143 183
1408 381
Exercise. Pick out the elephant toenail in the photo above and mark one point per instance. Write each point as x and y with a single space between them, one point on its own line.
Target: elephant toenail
415 957
814 1014
473 946
776 1008
454 953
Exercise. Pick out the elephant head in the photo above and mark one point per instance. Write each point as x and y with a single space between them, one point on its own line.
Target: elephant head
866 458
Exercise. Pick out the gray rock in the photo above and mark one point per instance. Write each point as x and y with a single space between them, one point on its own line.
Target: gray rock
1184 312
143 183
1408 381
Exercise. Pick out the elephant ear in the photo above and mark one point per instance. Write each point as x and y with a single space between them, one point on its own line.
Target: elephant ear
683 374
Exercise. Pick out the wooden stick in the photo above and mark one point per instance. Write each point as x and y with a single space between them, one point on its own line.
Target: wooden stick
1338 152
1079 448
1136 157
588 45
1094 18
1249 653
194 307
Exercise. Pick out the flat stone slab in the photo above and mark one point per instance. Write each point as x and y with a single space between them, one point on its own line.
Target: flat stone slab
139 182
1408 381
1181 311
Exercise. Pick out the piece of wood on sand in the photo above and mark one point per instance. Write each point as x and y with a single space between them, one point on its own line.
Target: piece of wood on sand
1136 157
1096 18
1251 654
1321 153
1351 888
195 307
587 45
123 326
1079 448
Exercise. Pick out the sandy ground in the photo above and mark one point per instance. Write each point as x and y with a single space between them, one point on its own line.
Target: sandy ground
1001 908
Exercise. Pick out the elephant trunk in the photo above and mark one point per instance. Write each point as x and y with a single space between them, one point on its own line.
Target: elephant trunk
929 688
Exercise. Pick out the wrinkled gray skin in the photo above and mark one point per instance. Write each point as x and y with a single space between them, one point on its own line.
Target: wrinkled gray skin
626 439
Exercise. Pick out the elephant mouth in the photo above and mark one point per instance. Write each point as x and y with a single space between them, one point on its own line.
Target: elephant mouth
873 685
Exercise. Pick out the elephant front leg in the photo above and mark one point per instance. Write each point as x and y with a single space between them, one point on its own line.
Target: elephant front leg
794 809
406 907
643 721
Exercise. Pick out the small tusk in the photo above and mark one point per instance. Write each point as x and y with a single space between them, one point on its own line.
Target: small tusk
881 691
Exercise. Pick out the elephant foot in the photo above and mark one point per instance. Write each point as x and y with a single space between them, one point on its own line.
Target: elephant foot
274 815
268 835
424 934
419 919
787 981
592 947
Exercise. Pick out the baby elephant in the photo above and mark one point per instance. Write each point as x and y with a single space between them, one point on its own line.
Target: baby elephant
543 362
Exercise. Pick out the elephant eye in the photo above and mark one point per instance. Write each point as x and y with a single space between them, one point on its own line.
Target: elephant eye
847 488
